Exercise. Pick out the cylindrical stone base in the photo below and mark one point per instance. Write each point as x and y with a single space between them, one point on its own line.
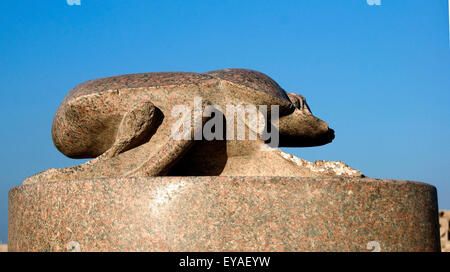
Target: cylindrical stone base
224 214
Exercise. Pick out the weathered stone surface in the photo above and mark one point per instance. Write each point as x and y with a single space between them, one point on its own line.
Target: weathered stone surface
444 223
145 190
323 168
3 248
125 123
223 214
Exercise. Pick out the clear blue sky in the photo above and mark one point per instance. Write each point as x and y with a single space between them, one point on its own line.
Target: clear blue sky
379 75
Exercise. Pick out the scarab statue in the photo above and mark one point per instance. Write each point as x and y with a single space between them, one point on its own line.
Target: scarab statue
126 124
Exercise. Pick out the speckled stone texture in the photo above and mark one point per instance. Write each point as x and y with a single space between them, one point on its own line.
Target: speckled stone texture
444 224
223 214
125 123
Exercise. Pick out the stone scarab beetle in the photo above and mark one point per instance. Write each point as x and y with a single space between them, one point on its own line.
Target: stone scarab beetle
125 122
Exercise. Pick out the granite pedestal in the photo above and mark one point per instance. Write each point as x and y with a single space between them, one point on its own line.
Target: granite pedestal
224 214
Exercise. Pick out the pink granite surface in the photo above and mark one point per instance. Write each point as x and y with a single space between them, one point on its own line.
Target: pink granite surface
223 214
125 124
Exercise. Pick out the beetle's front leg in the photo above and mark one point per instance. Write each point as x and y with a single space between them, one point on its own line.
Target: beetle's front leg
134 129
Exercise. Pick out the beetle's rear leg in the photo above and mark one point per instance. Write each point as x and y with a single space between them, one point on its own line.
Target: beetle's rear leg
135 128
